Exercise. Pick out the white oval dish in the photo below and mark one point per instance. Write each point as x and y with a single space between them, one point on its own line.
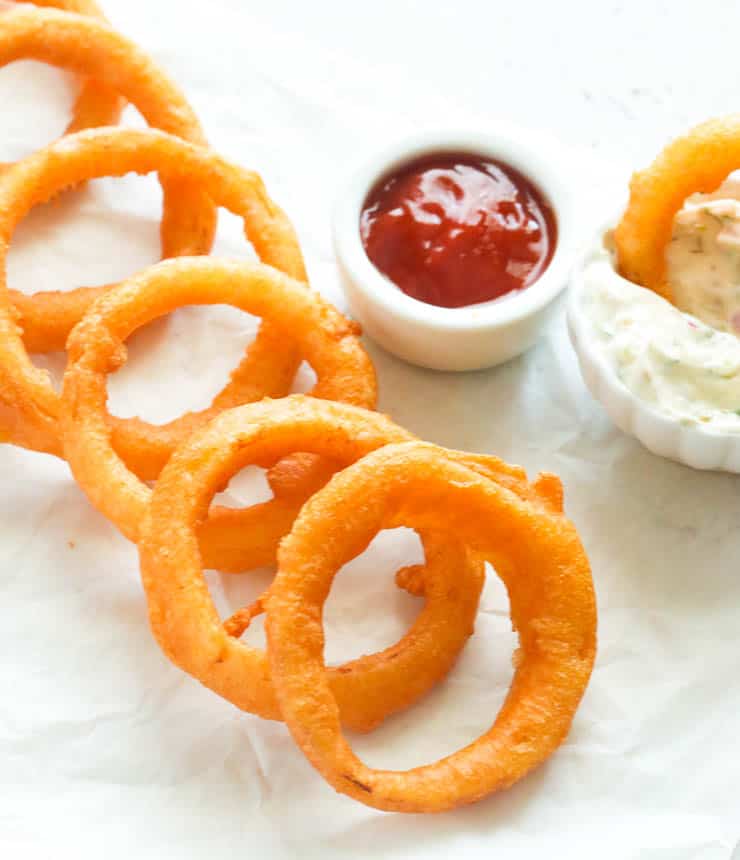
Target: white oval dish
664 435
467 338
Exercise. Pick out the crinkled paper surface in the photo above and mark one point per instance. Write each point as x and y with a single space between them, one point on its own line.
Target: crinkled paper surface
106 750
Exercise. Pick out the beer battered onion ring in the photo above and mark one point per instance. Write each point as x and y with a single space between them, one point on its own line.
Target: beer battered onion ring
327 340
96 104
31 406
539 557
697 162
89 47
184 619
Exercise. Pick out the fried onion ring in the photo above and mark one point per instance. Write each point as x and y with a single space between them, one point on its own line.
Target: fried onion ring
324 337
32 406
184 619
696 162
538 555
89 47
96 103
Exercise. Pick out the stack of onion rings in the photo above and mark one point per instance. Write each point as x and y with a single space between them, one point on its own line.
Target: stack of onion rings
338 471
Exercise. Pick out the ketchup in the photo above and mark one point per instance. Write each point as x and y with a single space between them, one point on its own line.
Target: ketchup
456 229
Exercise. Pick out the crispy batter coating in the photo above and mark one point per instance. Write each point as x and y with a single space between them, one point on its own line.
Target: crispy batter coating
534 549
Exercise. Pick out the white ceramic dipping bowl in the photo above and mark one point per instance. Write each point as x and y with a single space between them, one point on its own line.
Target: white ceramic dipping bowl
467 338
691 444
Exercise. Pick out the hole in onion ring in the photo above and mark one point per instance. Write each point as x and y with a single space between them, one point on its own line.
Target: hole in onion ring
49 92
109 228
367 612
197 345
212 339
459 708
247 487
305 379
163 353
348 621
71 228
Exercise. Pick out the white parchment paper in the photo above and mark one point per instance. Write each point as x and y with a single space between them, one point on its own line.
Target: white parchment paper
108 750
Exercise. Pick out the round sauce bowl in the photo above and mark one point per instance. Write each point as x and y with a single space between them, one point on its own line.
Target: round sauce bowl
440 330
612 321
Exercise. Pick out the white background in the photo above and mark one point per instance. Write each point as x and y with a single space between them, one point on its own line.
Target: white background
106 749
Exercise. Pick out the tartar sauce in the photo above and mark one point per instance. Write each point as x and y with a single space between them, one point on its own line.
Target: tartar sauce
685 369
703 257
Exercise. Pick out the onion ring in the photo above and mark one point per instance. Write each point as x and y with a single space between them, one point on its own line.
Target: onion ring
96 103
696 162
183 617
30 416
89 47
324 337
537 553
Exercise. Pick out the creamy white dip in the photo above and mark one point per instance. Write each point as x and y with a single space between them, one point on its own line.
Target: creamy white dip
703 257
687 370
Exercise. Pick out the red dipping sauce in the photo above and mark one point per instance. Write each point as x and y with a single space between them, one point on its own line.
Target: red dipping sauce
456 229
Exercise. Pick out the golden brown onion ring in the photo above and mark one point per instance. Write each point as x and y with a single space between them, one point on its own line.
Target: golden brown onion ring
696 162
534 549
